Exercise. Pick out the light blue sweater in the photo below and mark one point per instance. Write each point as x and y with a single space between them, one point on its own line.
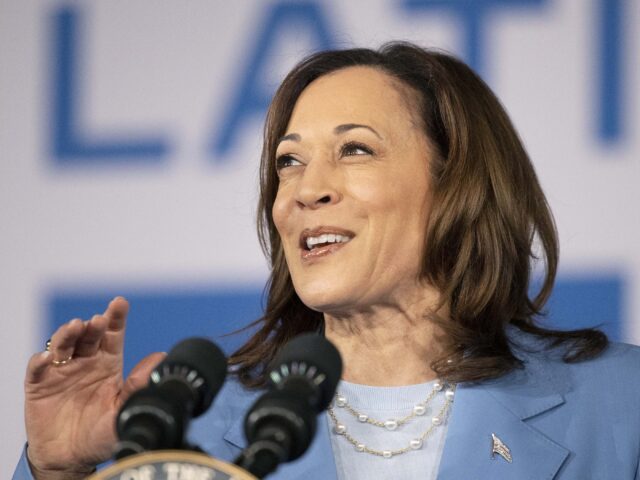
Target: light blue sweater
384 403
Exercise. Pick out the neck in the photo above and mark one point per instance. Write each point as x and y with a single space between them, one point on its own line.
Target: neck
387 345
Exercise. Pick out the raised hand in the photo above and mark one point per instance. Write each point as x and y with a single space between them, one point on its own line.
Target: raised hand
74 391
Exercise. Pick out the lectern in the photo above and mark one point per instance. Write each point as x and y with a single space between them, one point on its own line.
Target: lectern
172 465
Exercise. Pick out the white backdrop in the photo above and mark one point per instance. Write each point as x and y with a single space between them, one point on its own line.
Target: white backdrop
116 176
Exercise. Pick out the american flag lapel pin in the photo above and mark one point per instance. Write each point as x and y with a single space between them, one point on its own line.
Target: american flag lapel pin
499 447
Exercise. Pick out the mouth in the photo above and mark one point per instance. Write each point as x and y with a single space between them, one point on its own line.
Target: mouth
323 240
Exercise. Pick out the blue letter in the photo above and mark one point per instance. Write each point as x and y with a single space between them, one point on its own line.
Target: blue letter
609 64
472 13
253 96
70 146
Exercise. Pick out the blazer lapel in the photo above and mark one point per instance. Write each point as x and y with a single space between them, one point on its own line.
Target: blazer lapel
316 464
501 408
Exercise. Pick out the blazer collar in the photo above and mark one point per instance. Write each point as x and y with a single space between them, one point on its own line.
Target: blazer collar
501 407
316 464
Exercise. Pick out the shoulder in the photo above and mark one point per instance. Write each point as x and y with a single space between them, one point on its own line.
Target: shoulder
615 372
607 381
617 363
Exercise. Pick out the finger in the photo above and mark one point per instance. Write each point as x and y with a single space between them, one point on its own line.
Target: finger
37 367
89 343
139 376
116 312
63 341
116 315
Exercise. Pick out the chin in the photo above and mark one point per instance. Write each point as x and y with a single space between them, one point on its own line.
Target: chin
323 298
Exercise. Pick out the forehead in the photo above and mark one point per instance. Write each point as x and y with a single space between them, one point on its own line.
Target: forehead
354 94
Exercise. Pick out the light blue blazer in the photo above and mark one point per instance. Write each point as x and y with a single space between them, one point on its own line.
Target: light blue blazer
560 421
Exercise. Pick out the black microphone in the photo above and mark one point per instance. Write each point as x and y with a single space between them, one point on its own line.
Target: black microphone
180 388
282 422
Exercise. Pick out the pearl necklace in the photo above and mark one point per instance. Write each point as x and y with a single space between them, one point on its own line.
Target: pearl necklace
419 409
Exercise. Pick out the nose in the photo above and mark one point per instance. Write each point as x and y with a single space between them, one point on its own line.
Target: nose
318 185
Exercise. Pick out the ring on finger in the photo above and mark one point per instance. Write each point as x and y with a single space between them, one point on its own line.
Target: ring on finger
59 363
47 346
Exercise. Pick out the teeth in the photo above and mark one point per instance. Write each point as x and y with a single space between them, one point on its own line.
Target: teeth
326 238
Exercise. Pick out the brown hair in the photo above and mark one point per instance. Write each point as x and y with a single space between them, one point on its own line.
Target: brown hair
488 209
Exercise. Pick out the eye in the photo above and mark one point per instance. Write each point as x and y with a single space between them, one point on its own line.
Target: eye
284 161
354 148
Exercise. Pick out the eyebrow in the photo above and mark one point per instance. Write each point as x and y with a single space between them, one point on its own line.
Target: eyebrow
292 136
350 126
340 129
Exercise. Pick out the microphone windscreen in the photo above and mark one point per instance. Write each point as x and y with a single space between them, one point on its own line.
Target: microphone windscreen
203 356
314 350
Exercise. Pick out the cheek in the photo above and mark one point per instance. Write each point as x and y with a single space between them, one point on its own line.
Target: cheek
279 212
386 196
399 210
284 222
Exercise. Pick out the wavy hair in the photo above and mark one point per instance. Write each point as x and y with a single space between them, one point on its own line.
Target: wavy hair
487 215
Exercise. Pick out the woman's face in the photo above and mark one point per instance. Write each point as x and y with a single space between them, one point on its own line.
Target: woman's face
354 193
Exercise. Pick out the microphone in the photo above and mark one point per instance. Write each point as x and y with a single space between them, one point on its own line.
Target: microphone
282 422
180 388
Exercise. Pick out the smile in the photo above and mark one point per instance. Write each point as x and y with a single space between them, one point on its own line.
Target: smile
323 240
327 238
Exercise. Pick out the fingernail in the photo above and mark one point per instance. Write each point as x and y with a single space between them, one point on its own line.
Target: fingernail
45 354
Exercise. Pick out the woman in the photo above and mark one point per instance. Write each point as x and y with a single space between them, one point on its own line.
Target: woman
399 210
